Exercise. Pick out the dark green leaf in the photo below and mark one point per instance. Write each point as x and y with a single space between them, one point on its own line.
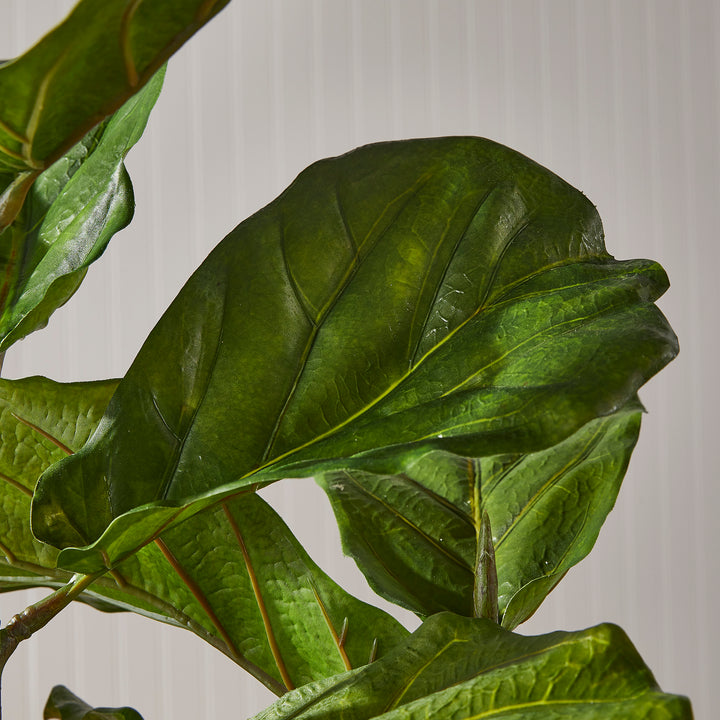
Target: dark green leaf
64 705
234 574
68 217
430 294
415 535
467 669
80 73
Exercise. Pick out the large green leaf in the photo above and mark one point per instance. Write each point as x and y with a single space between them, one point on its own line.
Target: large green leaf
65 705
233 574
415 536
68 217
77 75
467 669
432 294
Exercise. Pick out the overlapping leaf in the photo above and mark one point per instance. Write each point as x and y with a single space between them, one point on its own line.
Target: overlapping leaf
68 217
467 669
234 574
415 536
63 188
65 705
77 75
40 423
432 294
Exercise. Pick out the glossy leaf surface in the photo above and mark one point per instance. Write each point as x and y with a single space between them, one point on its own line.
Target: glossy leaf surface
234 574
69 215
415 536
467 669
65 705
77 75
431 294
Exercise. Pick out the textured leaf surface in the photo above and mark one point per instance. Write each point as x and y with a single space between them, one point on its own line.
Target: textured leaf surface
40 423
65 705
68 217
234 574
446 294
77 75
462 668
415 536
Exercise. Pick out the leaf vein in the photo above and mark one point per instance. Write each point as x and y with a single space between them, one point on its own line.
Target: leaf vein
44 433
425 536
17 485
431 307
352 269
272 641
591 444
331 628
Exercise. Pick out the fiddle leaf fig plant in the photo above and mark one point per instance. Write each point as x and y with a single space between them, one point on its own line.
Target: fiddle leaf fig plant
431 328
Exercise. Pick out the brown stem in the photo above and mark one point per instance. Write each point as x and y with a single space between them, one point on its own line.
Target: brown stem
33 618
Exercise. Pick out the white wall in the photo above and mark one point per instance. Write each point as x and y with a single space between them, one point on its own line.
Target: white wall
619 97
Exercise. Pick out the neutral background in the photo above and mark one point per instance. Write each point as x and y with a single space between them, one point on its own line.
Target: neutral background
622 99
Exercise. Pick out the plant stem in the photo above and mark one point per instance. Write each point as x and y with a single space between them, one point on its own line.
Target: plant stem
36 616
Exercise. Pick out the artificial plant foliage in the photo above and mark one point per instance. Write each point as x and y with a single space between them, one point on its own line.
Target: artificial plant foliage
65 705
67 219
416 535
468 669
78 74
431 294
225 574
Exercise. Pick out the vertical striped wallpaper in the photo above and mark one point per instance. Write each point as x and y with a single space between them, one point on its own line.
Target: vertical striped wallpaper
619 97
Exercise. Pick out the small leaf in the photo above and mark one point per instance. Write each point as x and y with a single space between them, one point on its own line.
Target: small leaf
67 219
467 669
64 705
81 72
415 535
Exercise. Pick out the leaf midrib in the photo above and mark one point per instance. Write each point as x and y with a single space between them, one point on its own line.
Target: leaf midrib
556 478
393 386
353 266
426 537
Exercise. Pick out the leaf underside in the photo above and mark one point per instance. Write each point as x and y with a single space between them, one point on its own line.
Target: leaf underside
441 294
233 574
415 536
468 669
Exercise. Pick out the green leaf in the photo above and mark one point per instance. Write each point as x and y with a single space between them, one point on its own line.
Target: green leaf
226 574
416 536
430 294
40 423
237 571
68 217
64 705
77 75
467 669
